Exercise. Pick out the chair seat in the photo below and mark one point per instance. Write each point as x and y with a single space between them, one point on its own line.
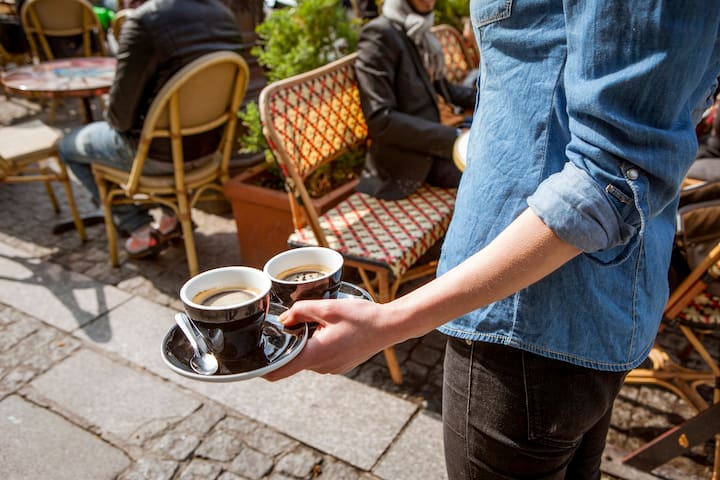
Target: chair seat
27 140
702 313
393 234
193 178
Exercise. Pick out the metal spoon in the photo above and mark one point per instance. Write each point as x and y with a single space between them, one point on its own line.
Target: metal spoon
203 362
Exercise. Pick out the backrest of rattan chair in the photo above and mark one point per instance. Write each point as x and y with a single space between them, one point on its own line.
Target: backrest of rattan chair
459 60
61 18
312 118
203 95
118 21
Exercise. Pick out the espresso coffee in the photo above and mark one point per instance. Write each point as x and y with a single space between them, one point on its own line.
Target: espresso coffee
304 273
224 296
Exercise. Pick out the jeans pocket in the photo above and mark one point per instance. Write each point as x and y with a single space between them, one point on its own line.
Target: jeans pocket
565 401
485 12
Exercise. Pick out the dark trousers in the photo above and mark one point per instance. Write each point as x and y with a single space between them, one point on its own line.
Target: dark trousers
510 414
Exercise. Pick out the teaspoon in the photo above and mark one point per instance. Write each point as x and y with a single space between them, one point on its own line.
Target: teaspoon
203 362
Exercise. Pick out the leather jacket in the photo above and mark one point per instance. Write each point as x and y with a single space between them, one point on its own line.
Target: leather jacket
158 39
399 102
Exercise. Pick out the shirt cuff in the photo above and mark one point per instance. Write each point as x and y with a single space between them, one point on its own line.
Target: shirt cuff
578 211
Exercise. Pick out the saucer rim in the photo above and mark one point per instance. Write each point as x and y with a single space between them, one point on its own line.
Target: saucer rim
240 376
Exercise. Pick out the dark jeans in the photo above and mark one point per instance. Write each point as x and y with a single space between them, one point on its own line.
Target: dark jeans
511 414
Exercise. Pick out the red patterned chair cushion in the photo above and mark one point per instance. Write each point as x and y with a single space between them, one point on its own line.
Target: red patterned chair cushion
389 233
703 312
457 63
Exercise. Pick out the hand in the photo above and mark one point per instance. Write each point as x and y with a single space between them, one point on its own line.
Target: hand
349 332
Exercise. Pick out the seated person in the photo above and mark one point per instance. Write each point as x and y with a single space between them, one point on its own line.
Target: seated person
400 73
159 38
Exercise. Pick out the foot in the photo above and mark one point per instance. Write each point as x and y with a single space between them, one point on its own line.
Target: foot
166 225
143 243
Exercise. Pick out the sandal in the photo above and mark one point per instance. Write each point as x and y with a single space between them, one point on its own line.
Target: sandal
172 234
153 247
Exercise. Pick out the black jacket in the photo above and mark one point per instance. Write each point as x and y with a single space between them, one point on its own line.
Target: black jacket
157 40
400 106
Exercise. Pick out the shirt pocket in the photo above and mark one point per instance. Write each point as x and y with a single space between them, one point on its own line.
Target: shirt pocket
485 12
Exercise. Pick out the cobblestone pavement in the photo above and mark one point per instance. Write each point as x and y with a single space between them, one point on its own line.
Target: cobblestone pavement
211 441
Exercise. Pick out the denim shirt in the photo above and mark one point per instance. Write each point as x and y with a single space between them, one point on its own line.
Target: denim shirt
585 114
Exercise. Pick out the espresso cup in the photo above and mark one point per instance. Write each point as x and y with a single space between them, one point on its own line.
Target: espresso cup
229 306
307 273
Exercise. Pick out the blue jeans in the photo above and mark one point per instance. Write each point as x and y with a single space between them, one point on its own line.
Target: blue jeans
511 414
99 143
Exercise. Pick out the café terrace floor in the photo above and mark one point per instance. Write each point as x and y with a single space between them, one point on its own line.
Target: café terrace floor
97 380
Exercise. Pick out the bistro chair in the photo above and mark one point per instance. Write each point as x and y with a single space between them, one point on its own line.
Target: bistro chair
118 21
200 97
310 120
61 18
693 308
26 150
459 59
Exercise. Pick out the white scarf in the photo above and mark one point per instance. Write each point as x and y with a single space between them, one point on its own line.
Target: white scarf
417 27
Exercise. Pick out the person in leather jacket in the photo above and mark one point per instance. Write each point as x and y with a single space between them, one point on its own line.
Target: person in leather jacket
400 75
157 40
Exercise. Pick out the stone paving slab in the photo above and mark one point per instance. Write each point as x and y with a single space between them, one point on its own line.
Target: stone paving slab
64 299
38 444
134 330
113 398
330 413
418 453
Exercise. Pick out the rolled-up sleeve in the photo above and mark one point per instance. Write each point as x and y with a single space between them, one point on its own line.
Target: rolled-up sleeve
634 84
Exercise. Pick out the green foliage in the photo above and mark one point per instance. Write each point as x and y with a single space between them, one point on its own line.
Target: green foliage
253 141
295 40
452 12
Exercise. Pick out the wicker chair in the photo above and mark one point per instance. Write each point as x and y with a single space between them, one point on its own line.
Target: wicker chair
25 152
459 59
61 18
202 96
694 308
310 120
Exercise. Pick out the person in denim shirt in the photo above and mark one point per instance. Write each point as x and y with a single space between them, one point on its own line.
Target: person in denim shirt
553 274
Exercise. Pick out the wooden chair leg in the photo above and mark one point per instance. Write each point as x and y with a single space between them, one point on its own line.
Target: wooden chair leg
109 224
385 295
51 195
393 365
190 252
77 220
186 223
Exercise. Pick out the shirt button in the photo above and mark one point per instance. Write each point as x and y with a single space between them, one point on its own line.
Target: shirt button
632 174
468 342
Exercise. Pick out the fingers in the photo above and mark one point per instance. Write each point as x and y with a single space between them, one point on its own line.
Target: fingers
344 338
305 311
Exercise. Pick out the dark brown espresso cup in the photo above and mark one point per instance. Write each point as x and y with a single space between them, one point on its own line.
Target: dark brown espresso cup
229 305
308 273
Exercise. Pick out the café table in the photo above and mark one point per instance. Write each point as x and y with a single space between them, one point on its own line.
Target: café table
460 148
83 78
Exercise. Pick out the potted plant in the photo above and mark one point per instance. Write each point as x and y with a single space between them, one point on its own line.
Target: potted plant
291 41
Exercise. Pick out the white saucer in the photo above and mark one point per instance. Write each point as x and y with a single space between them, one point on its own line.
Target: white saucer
281 346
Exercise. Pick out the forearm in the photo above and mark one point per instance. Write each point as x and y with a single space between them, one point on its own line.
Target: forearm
522 254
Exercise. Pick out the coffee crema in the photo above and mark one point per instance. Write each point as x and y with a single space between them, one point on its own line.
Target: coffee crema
304 273
224 296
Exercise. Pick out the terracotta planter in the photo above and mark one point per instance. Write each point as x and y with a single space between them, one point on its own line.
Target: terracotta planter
264 217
